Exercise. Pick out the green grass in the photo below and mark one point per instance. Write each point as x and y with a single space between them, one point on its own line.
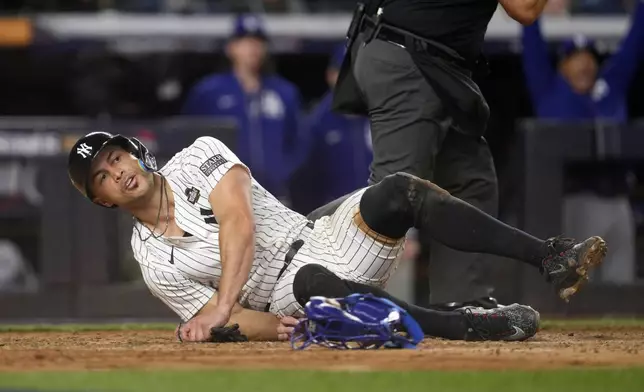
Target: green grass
281 381
568 380
566 324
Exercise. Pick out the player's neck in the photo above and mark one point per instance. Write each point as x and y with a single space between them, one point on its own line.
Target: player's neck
156 207
249 80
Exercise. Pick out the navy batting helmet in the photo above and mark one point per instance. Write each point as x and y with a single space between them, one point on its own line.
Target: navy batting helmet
89 146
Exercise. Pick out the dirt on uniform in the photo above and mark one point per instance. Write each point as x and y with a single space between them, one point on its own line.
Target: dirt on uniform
158 349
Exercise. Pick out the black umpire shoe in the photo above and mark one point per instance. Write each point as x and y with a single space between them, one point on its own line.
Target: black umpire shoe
510 323
567 262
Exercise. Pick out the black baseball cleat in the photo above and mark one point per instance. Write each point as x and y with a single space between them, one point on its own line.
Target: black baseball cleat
568 262
508 323
483 302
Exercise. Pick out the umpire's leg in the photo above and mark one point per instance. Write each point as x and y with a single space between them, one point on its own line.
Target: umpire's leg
465 168
407 120
408 123
409 127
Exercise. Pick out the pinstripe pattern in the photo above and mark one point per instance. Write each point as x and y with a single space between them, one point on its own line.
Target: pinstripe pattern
338 244
184 272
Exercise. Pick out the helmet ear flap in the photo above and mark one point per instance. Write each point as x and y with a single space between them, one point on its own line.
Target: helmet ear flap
147 161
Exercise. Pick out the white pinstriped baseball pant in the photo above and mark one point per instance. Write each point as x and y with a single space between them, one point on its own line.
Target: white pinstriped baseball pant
338 244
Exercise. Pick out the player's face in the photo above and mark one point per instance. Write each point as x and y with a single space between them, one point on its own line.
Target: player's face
580 70
117 178
248 53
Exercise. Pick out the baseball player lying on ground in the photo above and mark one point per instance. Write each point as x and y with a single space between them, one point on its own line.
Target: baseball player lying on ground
218 249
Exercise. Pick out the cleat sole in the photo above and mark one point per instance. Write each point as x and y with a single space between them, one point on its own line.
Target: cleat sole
594 254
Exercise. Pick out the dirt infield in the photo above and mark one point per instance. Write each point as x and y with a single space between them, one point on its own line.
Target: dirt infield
157 349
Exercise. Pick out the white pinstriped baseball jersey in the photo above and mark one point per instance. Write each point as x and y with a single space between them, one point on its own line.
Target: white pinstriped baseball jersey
184 272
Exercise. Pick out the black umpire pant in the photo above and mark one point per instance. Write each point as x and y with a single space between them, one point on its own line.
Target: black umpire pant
412 133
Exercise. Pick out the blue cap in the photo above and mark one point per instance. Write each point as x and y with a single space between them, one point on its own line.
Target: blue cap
575 44
337 56
249 25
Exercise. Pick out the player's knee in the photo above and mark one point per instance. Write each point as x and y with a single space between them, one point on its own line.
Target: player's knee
389 208
390 194
313 280
385 207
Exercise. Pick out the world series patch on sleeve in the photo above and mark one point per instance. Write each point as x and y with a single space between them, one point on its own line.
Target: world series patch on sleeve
211 164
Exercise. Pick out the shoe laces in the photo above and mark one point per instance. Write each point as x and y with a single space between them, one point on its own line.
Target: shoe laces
559 244
555 247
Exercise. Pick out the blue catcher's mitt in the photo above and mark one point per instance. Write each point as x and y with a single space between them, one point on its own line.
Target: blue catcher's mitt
359 321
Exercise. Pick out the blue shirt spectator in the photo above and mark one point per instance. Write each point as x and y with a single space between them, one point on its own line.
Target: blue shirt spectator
596 192
266 107
581 90
340 150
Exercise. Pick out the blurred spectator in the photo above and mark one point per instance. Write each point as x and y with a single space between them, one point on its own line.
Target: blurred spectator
266 107
340 152
598 197
581 90
15 272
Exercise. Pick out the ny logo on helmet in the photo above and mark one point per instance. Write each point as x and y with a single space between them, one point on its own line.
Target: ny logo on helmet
84 150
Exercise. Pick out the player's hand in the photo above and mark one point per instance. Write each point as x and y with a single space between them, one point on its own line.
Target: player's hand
195 330
218 317
198 328
285 328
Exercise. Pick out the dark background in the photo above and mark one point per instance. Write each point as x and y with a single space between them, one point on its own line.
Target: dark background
92 82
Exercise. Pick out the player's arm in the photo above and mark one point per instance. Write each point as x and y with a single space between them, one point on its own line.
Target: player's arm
523 11
620 69
262 326
539 72
195 302
257 326
227 181
231 203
